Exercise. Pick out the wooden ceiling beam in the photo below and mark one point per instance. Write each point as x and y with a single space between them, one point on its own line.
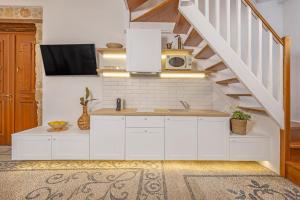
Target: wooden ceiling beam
166 11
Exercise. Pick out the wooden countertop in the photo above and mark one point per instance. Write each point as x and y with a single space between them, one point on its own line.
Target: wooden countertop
160 112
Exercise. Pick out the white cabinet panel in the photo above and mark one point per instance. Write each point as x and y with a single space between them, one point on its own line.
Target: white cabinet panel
70 147
107 138
143 49
249 149
27 147
181 138
145 121
213 136
144 144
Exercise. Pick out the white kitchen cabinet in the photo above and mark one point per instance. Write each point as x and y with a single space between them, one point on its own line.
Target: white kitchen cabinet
181 138
31 147
247 148
213 133
107 139
143 47
70 147
144 144
145 121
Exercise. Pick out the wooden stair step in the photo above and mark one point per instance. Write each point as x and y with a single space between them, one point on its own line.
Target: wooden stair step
293 171
182 26
295 145
205 53
217 67
228 81
295 126
166 11
239 95
134 4
193 39
255 109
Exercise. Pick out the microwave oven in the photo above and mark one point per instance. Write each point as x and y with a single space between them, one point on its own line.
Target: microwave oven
175 62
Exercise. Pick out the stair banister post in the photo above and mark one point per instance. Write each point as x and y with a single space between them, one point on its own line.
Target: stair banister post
285 133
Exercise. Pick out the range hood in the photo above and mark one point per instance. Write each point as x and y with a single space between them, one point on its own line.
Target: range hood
143 49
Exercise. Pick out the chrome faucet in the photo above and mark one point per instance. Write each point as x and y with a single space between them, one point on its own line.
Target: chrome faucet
185 105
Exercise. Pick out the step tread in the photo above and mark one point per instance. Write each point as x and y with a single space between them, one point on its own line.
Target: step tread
205 53
295 145
182 26
295 125
294 164
250 108
193 39
217 67
239 95
132 5
166 11
228 81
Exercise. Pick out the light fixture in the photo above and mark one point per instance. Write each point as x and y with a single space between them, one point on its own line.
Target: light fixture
114 56
116 74
182 75
122 56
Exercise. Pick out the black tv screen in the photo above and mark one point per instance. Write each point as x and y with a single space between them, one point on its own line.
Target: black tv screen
70 59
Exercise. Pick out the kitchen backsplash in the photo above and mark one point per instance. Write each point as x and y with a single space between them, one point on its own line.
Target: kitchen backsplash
143 92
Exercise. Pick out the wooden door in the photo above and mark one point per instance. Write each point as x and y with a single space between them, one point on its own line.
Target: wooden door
25 104
6 89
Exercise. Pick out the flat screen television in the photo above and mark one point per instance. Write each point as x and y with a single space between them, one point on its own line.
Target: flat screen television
69 59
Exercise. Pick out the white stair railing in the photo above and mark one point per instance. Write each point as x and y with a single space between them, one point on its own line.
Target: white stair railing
247 44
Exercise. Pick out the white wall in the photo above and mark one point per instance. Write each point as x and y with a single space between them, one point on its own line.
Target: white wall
284 17
291 27
273 12
75 21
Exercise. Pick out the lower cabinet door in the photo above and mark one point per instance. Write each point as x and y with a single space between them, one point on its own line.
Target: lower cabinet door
31 147
249 149
181 138
213 133
144 144
70 147
107 138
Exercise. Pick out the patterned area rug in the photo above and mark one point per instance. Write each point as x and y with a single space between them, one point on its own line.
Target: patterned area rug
268 187
82 180
140 180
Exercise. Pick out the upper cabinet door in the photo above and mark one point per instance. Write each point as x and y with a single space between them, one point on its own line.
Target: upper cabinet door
143 50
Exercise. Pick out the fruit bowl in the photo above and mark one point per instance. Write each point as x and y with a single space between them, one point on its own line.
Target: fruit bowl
58 125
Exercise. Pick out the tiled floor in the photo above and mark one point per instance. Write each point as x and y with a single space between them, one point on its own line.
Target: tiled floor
145 180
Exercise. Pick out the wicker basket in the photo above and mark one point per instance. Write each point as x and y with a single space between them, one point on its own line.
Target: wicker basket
239 126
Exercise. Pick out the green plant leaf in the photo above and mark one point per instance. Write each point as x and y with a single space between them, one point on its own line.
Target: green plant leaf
240 115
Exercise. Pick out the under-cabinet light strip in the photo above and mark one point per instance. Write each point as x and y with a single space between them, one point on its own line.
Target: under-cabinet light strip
122 56
182 75
162 75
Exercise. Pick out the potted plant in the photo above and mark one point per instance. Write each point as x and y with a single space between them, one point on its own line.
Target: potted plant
84 120
239 122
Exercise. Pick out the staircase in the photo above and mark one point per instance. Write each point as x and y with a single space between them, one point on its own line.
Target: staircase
231 37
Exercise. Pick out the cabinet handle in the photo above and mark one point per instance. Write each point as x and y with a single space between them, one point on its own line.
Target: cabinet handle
54 139
146 131
49 139
145 118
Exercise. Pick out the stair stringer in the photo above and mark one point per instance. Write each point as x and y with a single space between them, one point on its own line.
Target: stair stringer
233 61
